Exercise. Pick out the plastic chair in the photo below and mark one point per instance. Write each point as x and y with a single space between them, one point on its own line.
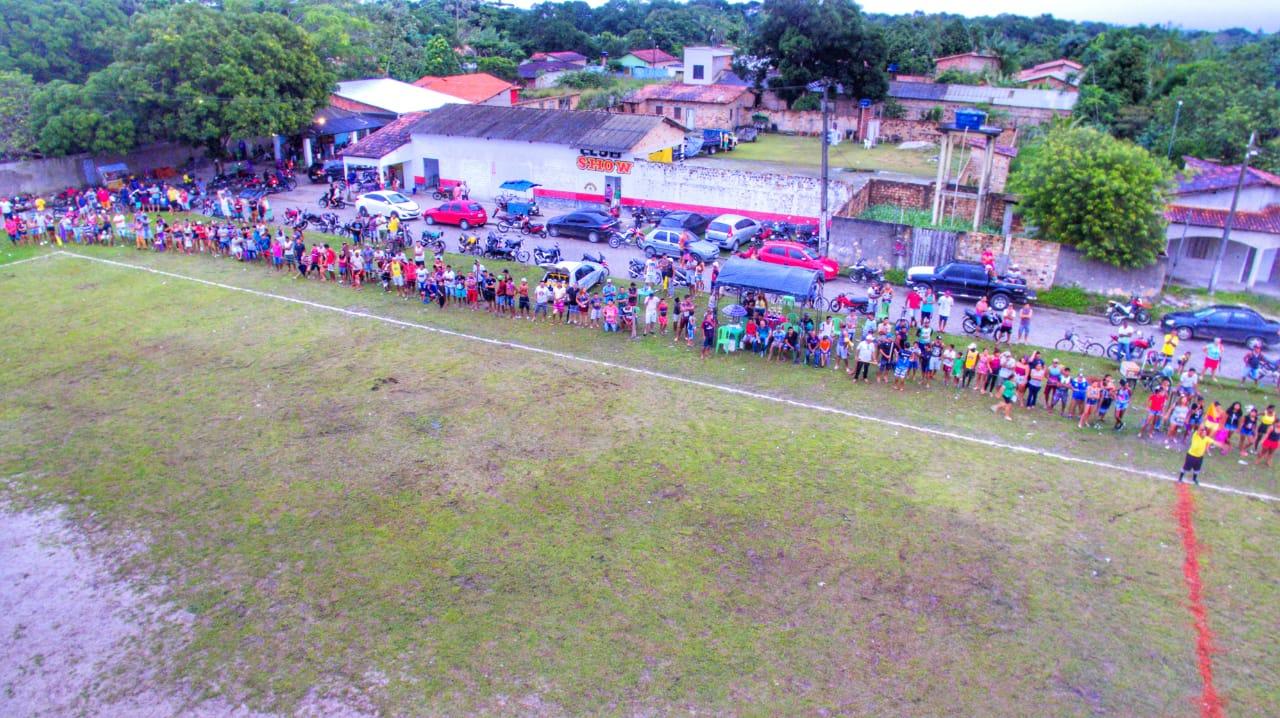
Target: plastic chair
735 332
724 342
788 302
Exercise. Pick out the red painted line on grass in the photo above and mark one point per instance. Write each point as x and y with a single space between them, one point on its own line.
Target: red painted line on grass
1210 702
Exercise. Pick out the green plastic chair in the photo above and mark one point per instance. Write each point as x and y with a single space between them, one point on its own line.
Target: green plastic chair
725 341
788 302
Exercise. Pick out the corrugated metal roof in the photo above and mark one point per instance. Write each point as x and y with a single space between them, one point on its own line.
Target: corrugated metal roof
593 130
978 95
386 140
393 95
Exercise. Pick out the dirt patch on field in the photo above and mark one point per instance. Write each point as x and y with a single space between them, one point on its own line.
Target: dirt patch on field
75 639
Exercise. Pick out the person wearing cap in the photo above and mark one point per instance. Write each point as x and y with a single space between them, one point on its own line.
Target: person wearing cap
970 364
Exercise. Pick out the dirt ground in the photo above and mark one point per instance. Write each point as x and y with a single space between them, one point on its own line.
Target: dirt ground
71 632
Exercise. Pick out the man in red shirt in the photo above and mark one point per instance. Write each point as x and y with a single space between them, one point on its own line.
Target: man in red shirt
914 301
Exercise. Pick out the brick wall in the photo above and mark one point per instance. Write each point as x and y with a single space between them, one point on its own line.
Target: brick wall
919 195
914 129
1038 260
999 171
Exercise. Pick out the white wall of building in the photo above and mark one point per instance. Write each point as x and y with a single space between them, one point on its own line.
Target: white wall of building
486 164
1252 199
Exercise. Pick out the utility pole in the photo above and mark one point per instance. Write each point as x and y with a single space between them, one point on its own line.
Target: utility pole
1177 112
824 214
1249 152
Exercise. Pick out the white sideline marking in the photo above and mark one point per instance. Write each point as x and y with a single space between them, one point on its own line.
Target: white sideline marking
683 380
32 259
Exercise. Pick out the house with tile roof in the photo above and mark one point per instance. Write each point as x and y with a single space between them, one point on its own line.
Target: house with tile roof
1060 74
694 106
545 73
648 63
387 150
477 88
1197 217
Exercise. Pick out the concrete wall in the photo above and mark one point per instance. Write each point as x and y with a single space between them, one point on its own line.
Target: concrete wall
700 115
58 173
854 239
558 102
1075 270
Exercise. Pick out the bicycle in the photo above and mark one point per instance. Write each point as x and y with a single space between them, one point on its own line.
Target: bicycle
1072 341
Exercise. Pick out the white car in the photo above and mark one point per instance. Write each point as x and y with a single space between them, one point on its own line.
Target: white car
388 204
730 231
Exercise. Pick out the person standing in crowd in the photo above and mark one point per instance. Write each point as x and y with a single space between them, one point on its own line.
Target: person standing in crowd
1201 442
945 304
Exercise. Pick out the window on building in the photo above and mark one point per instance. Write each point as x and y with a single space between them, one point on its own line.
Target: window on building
699 72
657 109
563 103
1199 247
675 112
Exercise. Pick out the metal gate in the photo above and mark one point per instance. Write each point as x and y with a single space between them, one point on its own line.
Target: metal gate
932 246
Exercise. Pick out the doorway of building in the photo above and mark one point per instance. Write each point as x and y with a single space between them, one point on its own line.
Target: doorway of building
613 190
430 173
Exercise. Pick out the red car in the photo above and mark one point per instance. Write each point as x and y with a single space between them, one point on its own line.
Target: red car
794 254
463 213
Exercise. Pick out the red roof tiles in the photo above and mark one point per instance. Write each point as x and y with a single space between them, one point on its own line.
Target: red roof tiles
1267 221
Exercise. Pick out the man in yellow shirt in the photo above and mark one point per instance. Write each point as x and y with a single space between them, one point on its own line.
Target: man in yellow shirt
1200 443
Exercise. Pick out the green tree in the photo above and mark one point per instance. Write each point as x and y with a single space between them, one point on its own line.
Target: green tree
17 138
341 40
262 76
439 59
57 39
809 42
71 118
1101 195
1120 63
498 67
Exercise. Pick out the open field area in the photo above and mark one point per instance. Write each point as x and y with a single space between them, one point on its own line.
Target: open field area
436 525
806 152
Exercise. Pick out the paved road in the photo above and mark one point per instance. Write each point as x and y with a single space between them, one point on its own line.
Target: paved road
1047 327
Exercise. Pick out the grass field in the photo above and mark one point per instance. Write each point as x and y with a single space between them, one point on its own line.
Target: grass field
799 151
454 527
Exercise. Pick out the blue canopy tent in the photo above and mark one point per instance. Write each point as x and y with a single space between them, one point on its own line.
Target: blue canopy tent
518 185
745 274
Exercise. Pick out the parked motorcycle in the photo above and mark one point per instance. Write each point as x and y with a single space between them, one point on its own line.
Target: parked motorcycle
432 240
1136 310
987 324
1137 345
470 244
635 269
496 247
847 303
861 273
599 259
631 237
544 255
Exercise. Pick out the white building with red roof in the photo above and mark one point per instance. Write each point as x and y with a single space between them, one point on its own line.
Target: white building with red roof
1197 217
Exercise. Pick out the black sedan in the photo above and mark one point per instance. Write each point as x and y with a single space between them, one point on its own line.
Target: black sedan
588 224
691 222
1231 323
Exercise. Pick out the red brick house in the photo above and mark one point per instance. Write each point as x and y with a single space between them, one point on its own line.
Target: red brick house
1060 74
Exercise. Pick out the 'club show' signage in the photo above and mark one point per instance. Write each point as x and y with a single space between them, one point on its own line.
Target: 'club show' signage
603 161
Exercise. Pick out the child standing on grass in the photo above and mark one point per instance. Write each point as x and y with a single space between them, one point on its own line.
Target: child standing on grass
900 368
1008 390
1269 442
